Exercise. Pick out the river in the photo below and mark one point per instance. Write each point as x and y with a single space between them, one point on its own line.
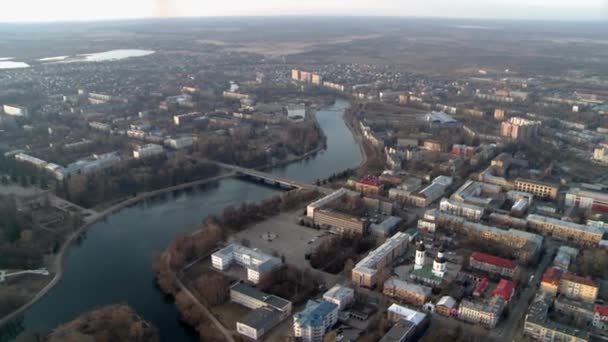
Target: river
113 264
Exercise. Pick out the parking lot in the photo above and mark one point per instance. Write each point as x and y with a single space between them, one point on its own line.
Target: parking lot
283 235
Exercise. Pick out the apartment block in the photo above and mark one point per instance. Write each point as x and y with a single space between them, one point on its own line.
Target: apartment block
366 272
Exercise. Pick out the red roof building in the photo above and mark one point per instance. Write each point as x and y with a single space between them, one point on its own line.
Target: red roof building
493 264
504 289
481 287
601 310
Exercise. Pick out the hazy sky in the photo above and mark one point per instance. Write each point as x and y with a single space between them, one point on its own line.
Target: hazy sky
50 10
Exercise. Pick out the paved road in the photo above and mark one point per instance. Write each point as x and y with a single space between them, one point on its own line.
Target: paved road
508 329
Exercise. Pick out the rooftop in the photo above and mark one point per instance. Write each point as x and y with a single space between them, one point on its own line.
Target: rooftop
410 287
407 314
314 313
494 260
272 300
505 289
566 224
368 264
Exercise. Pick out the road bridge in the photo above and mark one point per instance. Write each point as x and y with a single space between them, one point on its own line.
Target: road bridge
270 178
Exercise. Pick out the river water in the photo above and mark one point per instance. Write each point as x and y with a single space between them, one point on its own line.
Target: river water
113 264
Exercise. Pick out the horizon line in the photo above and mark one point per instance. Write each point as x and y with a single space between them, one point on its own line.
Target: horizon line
278 16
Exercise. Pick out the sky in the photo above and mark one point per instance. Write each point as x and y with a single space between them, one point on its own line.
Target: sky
82 10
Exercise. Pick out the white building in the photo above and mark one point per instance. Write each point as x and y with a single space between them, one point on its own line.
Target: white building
397 312
342 296
148 150
15 110
256 262
26 158
179 143
469 211
310 324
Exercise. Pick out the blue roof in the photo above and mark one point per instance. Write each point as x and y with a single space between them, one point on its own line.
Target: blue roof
314 313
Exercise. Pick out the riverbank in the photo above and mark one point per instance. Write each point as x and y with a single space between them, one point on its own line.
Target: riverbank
86 288
57 266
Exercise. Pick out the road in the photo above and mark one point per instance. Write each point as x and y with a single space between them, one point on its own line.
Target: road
508 329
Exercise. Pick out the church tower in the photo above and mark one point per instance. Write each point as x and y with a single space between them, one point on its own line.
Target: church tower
439 264
420 255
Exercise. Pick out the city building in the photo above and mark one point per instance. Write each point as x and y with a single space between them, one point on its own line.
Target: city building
340 295
396 313
369 185
26 158
148 150
407 292
587 199
468 211
505 289
565 230
320 203
420 257
582 313
483 313
256 262
564 257
538 325
556 281
366 272
433 146
430 193
401 331
310 324
446 306
499 114
600 317
550 281
267 310
179 143
493 264
519 128
340 222
186 118
15 110
94 163
523 245
463 150
440 118
386 227
537 188
578 288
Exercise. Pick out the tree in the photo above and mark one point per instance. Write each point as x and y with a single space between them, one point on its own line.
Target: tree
348 267
213 287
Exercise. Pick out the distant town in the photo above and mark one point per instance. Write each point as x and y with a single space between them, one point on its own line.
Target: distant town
475 206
